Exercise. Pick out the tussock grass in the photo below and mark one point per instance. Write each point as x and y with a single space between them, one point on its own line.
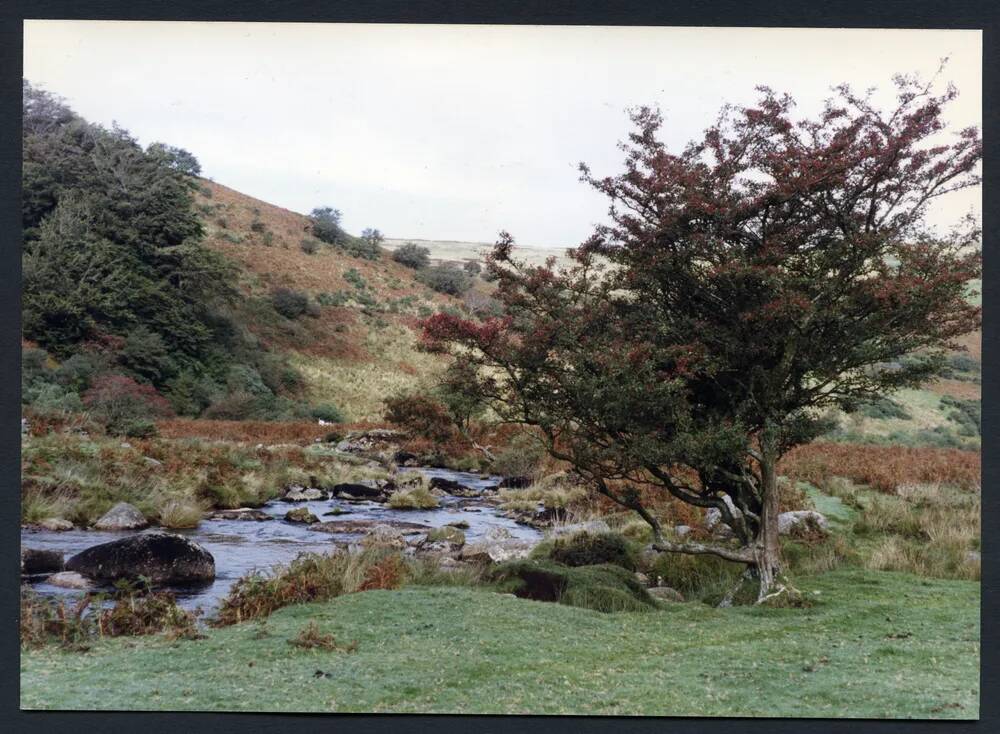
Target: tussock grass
310 577
413 498
311 638
180 513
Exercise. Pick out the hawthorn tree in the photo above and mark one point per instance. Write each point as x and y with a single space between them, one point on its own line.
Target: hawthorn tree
769 272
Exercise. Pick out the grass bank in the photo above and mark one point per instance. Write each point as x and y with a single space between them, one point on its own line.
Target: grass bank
875 644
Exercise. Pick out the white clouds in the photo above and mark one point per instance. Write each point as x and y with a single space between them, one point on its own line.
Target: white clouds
451 132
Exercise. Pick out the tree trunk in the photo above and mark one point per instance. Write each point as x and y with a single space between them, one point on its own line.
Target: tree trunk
767 550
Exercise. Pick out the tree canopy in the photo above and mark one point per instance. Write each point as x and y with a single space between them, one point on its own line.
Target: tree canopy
767 272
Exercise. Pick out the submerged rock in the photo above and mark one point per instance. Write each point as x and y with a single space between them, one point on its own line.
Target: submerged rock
242 513
122 516
161 557
69 580
358 490
352 527
36 561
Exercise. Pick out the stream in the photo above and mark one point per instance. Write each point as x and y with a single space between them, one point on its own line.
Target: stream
241 546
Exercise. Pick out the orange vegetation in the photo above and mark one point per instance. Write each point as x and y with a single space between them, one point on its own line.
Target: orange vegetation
883 467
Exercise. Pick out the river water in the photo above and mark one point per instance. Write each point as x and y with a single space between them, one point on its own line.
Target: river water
241 546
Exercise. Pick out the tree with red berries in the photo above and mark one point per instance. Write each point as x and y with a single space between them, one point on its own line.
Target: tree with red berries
770 272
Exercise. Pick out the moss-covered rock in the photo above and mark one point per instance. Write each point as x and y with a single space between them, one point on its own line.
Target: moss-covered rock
603 588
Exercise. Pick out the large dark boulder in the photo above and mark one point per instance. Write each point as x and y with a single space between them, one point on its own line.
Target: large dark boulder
35 561
452 487
357 490
163 558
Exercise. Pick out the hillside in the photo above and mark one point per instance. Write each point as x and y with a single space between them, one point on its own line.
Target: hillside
361 346
455 251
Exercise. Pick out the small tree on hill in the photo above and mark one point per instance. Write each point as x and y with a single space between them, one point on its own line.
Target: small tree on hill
326 225
768 272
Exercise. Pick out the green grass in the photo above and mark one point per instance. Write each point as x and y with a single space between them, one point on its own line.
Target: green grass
875 644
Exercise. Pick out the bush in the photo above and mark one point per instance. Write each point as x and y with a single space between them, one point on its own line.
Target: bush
885 409
289 303
327 412
472 268
145 354
309 247
352 276
420 415
360 247
584 549
445 278
703 578
326 225
967 413
412 256
520 459
124 406
603 588
257 227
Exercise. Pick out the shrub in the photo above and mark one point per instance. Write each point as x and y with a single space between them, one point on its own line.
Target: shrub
703 578
309 247
414 498
289 303
124 406
257 227
412 256
145 354
359 247
326 225
602 588
445 278
472 268
520 459
967 413
584 549
885 409
190 394
420 415
327 412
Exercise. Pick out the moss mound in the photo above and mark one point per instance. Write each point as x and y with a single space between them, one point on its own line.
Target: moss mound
603 588
585 549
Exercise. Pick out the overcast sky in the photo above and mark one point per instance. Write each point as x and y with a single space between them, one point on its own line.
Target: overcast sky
454 132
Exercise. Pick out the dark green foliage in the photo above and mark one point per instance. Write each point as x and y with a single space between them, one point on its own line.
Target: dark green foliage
257 226
884 409
289 303
412 256
603 588
458 396
967 413
190 394
472 268
366 249
963 367
327 412
353 277
178 159
584 549
145 354
697 577
326 225
446 278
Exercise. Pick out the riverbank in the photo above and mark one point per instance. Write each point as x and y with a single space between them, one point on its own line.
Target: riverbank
873 645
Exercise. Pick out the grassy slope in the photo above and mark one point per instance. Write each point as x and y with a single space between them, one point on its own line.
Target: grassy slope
875 645
354 354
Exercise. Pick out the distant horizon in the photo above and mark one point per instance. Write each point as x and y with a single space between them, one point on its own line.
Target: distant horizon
454 133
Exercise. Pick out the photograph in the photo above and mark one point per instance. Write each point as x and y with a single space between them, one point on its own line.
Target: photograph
498 369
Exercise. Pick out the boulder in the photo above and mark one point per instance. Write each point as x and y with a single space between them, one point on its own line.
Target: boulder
55 524
405 458
460 524
377 443
452 487
801 521
357 490
496 551
301 514
163 558
336 511
247 514
447 534
36 561
122 516
682 531
69 580
384 536
665 594
303 494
